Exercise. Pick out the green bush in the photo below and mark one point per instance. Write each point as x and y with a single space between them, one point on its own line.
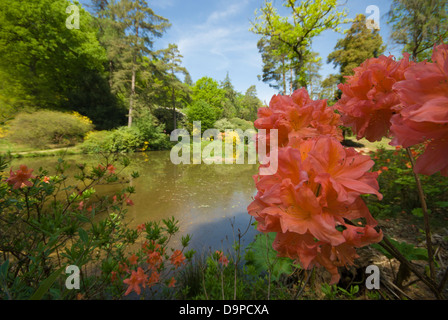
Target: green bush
42 129
233 124
152 132
203 112
96 141
146 134
122 139
49 222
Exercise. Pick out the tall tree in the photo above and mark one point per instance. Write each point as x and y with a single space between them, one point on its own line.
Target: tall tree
418 25
208 90
46 65
313 76
230 103
250 104
38 51
358 45
173 64
294 33
329 88
275 63
139 25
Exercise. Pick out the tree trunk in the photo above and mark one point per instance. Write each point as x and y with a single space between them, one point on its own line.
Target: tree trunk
174 111
131 99
284 75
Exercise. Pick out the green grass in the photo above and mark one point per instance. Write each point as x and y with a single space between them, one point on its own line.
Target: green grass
373 146
23 151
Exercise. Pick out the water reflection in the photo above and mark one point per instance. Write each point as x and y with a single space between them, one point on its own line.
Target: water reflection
206 199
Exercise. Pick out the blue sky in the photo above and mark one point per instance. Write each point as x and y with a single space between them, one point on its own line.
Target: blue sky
214 38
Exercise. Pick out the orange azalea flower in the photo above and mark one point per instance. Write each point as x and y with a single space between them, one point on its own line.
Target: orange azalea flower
154 278
123 267
46 179
136 279
297 117
141 227
316 188
172 283
129 202
368 101
133 259
154 259
177 258
424 93
111 169
113 276
21 177
222 258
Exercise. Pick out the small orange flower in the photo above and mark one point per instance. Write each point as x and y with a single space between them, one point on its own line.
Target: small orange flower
46 179
21 177
136 279
153 279
133 259
123 267
222 258
141 227
177 259
129 202
111 169
172 283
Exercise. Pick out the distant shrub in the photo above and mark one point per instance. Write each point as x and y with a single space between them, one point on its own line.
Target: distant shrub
144 135
96 141
44 128
203 112
233 124
152 132
122 139
223 124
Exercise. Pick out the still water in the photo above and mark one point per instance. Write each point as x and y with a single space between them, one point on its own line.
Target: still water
209 201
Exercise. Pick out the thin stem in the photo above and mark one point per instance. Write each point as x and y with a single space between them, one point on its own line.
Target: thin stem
421 196
444 280
389 247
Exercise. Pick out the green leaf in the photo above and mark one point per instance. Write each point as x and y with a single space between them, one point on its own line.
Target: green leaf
262 257
46 284
418 212
83 235
406 249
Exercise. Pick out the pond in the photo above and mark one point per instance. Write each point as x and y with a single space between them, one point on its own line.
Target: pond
209 201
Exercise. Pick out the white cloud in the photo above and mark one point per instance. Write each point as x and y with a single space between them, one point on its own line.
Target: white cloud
231 10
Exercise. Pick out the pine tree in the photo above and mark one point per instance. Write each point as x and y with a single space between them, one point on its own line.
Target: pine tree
137 25
358 45
418 25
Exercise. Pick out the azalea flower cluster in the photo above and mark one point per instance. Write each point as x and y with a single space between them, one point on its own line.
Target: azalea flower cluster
313 202
296 118
403 99
154 255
